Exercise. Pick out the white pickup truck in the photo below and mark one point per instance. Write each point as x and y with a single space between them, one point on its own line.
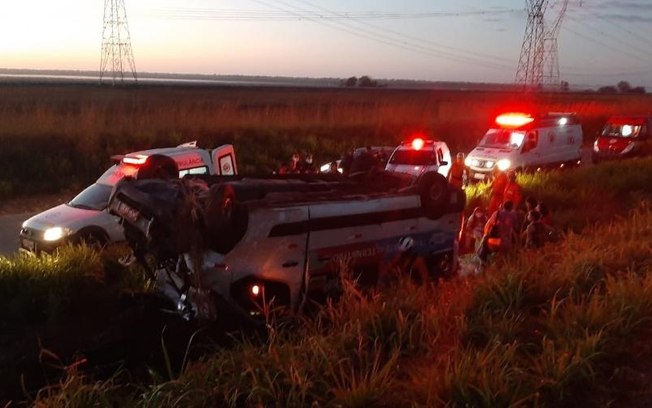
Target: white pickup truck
85 217
281 238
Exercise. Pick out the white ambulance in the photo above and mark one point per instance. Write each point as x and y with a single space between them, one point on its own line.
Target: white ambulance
85 217
524 142
282 239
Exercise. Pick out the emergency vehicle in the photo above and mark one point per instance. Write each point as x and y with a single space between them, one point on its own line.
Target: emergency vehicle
282 239
524 142
85 218
622 137
419 156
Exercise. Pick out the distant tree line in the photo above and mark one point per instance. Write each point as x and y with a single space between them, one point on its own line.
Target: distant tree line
362 82
622 87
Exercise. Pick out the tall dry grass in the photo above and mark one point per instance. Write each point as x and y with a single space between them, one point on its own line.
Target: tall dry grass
57 135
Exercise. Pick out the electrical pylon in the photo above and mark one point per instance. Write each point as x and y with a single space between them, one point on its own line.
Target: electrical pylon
530 64
116 44
551 57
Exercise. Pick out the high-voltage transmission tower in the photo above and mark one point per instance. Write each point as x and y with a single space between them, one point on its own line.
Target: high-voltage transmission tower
551 57
530 64
538 64
117 57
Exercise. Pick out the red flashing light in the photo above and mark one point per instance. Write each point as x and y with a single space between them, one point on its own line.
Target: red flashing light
514 119
417 143
136 159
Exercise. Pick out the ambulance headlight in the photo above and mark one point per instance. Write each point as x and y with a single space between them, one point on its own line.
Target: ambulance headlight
55 233
468 161
503 164
489 164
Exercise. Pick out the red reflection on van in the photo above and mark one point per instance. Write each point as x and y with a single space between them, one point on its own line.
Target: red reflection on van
622 137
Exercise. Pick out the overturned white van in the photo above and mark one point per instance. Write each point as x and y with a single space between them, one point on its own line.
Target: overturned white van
281 239
523 142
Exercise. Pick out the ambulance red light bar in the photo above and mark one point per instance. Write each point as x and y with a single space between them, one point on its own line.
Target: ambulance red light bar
135 159
417 143
514 119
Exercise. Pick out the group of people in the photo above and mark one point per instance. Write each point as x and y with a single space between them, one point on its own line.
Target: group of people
506 223
297 165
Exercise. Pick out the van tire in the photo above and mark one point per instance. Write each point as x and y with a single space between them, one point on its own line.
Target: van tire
434 192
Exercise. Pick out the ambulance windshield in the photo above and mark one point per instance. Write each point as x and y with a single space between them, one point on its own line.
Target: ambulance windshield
503 139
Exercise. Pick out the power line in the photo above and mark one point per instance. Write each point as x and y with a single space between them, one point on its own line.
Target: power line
280 15
388 37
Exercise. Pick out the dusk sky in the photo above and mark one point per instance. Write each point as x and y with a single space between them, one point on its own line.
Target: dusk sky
601 41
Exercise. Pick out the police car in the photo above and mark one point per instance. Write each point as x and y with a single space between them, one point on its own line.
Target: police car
85 218
420 155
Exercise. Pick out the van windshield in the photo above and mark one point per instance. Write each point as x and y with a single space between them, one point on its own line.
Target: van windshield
94 197
612 130
413 157
502 139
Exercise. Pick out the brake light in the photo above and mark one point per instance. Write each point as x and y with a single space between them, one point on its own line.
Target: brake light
514 119
417 143
135 159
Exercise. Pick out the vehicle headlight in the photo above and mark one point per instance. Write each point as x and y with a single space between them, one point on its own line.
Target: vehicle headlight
489 164
325 168
55 233
468 161
503 164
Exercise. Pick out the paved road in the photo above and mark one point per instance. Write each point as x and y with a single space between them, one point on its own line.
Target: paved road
9 229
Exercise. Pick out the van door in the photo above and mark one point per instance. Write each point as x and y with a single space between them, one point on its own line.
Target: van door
224 163
531 151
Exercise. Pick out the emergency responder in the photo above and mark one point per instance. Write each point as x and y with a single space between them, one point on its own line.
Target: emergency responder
513 191
458 175
497 190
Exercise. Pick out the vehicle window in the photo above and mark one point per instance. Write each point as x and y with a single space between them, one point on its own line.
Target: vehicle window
94 197
503 138
194 170
621 130
414 157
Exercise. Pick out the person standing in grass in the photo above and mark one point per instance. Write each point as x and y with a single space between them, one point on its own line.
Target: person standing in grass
498 186
458 174
499 232
293 167
535 232
474 229
513 191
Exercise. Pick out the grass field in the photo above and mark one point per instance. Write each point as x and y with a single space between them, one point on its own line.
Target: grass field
56 136
567 325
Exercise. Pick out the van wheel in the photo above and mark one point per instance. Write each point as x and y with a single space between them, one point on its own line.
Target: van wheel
434 191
